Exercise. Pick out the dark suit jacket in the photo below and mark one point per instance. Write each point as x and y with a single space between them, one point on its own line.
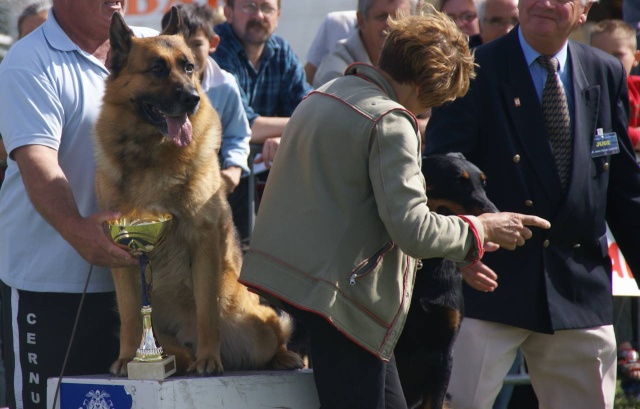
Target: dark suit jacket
561 278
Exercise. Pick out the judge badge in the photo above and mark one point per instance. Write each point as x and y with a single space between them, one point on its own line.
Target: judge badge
604 144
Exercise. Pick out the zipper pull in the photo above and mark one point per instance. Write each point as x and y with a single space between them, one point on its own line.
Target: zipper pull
419 264
352 279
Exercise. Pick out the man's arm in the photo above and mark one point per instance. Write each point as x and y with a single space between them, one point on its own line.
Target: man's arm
51 195
294 85
267 132
623 200
266 127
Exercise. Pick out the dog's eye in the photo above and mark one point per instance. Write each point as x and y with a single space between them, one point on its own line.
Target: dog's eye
159 68
189 68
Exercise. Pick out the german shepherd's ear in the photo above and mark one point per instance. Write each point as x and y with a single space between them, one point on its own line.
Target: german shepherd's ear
120 38
175 25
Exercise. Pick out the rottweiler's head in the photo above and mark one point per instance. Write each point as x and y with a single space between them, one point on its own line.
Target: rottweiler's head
155 76
455 185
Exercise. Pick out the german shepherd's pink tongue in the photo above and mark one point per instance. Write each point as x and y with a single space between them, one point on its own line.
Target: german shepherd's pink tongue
179 129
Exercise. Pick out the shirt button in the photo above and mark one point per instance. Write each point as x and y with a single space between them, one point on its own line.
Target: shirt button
546 243
516 159
528 203
605 166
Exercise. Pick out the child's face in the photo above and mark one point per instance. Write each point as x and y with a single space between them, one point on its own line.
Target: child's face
621 48
201 46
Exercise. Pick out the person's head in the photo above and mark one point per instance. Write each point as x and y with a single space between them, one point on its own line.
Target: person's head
197 28
429 52
372 22
464 13
32 17
618 39
87 18
253 22
547 24
497 18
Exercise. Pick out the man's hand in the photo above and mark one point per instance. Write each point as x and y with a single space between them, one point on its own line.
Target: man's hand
269 149
89 239
480 277
231 177
509 230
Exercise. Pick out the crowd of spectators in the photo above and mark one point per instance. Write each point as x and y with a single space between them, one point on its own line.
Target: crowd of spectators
256 82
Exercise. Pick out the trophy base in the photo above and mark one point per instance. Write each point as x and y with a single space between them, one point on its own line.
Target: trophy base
152 371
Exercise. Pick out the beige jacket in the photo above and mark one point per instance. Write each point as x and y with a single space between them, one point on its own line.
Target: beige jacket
344 214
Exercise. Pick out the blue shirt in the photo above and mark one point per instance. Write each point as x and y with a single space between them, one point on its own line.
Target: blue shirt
223 92
539 73
279 84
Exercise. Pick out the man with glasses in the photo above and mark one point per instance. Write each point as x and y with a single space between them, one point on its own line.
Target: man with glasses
271 79
463 13
546 120
365 42
496 18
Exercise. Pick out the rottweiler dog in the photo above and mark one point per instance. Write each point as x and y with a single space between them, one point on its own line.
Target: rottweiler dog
424 350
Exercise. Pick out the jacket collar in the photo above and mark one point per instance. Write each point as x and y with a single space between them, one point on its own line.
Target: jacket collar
374 75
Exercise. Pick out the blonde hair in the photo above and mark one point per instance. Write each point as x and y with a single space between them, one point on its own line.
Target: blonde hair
618 28
429 51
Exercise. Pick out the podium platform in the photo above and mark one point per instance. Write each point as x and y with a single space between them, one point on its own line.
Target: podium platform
234 390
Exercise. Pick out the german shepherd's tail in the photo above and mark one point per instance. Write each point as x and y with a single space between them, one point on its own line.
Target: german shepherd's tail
283 358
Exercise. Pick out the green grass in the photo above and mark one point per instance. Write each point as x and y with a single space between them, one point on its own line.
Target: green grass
623 403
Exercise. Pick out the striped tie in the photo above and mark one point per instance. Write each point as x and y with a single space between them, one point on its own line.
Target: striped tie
556 116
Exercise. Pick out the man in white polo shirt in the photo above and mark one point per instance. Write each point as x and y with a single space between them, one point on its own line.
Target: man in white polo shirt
51 87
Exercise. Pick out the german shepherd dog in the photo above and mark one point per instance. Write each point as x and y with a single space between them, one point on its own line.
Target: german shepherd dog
424 350
157 142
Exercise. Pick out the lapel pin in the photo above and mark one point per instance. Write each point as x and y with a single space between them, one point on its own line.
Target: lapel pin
516 102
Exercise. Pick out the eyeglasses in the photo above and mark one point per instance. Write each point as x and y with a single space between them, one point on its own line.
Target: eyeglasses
253 8
501 21
467 16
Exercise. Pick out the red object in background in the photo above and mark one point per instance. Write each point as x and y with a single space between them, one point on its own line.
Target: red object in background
618 264
138 8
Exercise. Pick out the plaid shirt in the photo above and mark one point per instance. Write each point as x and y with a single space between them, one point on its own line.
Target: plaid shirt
279 84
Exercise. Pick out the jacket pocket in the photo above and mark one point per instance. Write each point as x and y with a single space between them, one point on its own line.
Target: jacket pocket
369 264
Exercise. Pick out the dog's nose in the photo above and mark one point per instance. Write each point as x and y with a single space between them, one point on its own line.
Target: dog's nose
189 98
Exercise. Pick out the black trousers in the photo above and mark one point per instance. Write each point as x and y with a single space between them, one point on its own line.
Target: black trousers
346 375
40 326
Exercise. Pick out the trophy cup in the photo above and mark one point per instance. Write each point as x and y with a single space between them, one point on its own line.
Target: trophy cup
140 235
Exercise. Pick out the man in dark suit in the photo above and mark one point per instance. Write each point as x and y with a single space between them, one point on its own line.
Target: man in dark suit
554 298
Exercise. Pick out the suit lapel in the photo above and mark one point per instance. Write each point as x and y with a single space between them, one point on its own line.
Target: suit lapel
525 113
586 103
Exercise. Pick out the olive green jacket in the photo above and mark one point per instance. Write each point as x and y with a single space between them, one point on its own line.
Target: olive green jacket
344 215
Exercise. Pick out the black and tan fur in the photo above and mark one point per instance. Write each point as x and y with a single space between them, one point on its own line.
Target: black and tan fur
201 314
424 350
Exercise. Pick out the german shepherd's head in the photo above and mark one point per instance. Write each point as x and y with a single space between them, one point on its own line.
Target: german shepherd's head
157 134
159 75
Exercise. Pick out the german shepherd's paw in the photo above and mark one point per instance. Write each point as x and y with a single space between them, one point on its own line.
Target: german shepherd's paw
208 365
286 360
119 367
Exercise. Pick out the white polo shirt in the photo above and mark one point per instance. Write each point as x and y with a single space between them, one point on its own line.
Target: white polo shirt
50 94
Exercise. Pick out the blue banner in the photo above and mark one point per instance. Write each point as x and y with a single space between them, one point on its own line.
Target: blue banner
90 396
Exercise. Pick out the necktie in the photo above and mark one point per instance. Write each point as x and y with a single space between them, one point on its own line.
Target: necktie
556 116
